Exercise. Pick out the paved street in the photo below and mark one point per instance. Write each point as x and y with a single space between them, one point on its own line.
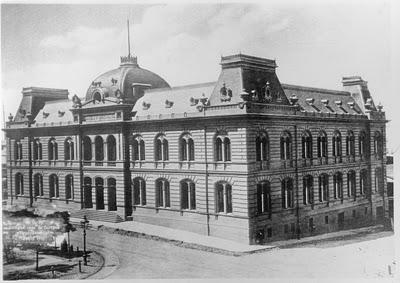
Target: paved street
142 258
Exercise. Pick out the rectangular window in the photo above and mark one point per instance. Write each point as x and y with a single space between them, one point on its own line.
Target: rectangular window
366 211
292 227
286 228
326 219
354 213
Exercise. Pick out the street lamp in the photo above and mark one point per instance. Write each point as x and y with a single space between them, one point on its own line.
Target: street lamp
84 223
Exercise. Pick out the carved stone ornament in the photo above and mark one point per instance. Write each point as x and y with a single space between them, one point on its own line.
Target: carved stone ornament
45 114
76 101
168 103
145 105
193 101
226 93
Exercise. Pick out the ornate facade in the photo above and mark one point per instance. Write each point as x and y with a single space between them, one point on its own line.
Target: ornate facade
243 158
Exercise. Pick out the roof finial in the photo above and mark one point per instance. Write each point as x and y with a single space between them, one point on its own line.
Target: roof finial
129 41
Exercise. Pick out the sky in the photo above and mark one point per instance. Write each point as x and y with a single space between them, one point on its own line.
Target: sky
314 44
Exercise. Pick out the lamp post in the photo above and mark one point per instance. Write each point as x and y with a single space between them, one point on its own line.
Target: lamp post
84 223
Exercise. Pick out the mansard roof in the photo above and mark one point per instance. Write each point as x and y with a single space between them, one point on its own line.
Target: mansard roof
174 100
55 113
313 99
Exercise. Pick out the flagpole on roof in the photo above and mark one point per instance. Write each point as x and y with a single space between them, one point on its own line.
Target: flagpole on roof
129 41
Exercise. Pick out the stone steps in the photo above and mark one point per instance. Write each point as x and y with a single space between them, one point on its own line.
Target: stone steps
98 215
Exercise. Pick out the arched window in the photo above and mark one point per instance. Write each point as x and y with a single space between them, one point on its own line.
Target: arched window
99 148
338 185
19 184
111 148
139 191
37 185
378 180
287 193
161 148
264 202
323 187
227 149
222 148
378 145
188 195
17 150
53 149
363 181
99 191
186 148
69 187
223 197
96 97
337 144
362 143
286 146
162 193
351 184
37 150
350 144
306 145
69 149
112 194
54 191
322 144
87 148
308 190
262 147
138 149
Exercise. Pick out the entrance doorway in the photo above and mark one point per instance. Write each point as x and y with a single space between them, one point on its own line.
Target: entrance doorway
99 193
112 195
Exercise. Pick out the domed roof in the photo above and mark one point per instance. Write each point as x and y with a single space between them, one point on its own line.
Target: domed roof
121 81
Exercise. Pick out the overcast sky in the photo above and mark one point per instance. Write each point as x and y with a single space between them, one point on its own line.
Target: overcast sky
68 46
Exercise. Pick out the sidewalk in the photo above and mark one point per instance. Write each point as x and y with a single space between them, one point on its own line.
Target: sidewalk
203 242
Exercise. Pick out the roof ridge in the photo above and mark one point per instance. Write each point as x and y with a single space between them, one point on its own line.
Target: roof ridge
316 89
180 87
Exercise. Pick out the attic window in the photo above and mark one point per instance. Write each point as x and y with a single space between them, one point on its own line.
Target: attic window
45 115
168 103
61 113
145 105
293 99
96 97
193 101
310 101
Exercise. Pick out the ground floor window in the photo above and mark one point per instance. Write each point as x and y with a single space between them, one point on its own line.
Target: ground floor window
188 195
223 196
162 193
139 191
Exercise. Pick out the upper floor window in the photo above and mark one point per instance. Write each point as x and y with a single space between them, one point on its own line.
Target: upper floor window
337 144
139 191
87 148
138 149
38 185
17 150
286 146
363 181
54 191
323 187
222 148
111 148
53 149
262 147
338 185
378 144
188 194
378 180
19 184
69 149
362 143
69 187
350 144
98 148
306 145
264 202
186 148
223 197
37 150
287 193
351 183
162 193
308 190
322 144
161 148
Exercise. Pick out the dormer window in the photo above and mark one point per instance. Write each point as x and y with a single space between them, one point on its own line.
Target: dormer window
145 105
168 103
45 115
193 101
61 113
96 97
310 101
338 103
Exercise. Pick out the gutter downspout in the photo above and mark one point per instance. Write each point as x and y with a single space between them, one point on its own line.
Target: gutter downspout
297 183
30 169
10 166
80 158
206 177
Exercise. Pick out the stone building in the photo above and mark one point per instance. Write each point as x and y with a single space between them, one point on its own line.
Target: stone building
243 158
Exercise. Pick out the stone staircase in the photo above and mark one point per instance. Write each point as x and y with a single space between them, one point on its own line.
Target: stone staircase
97 215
